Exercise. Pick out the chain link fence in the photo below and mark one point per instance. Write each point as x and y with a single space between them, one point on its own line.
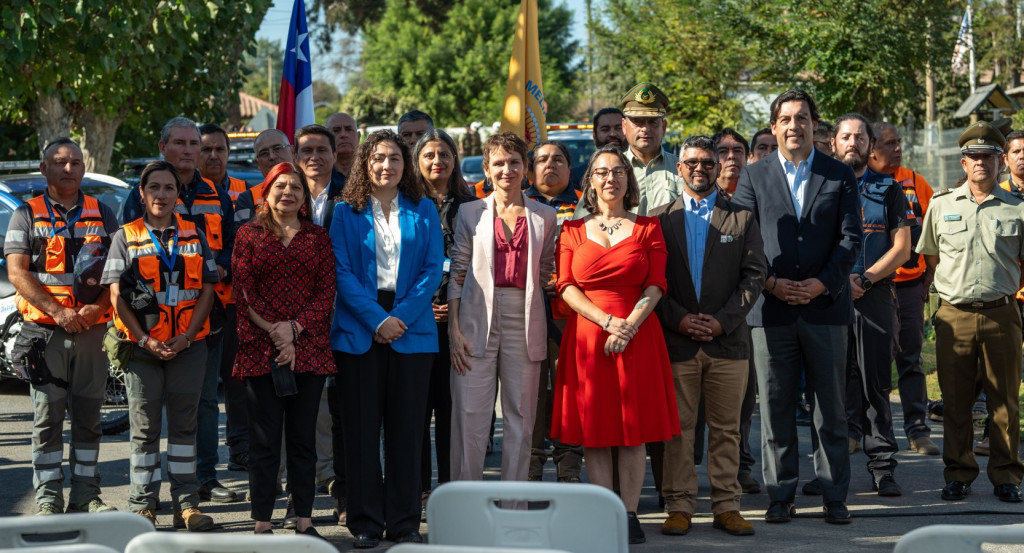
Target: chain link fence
935 154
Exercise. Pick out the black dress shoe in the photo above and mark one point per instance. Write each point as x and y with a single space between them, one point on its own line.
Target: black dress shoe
406 536
365 540
311 532
956 491
813 488
886 486
780 511
1008 493
239 463
212 490
636 532
837 513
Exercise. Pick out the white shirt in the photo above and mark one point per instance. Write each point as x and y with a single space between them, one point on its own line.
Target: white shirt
388 240
320 206
797 177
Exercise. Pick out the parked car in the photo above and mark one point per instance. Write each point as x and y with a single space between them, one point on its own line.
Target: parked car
473 169
14 191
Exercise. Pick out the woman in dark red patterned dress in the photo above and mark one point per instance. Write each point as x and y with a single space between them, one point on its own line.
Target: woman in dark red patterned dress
283 267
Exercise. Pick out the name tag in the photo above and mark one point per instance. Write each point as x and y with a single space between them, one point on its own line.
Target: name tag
955 217
172 295
447 265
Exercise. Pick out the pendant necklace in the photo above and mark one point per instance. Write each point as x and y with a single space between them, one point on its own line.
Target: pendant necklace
610 229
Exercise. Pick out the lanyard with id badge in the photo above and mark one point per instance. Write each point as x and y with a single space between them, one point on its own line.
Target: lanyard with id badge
172 288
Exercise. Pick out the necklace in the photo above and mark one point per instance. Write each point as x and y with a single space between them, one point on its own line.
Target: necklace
610 229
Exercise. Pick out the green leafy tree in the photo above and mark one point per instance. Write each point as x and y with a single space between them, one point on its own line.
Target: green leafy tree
457 71
96 64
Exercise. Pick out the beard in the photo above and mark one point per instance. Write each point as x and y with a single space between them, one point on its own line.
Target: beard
620 145
699 187
855 160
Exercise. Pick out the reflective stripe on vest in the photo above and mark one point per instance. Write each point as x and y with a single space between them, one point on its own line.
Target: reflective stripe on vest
51 263
235 188
207 211
187 274
876 239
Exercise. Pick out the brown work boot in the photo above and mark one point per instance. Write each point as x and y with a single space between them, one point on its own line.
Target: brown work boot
924 445
148 514
677 523
193 520
733 523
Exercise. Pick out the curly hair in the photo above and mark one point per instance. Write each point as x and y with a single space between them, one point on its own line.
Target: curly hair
632 197
359 186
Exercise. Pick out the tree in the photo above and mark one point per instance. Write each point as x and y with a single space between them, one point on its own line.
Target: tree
352 16
257 79
457 71
95 64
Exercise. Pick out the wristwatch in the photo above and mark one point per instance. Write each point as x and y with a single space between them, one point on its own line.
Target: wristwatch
143 340
865 283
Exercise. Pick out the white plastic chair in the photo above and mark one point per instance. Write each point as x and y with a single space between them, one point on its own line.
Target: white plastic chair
227 543
579 518
113 529
956 538
74 548
434 548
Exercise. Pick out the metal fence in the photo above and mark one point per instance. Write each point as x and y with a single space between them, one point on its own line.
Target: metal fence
935 154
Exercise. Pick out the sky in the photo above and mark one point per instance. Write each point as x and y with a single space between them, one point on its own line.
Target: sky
275 27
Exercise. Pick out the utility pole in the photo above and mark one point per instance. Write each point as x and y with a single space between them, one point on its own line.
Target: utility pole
590 60
270 83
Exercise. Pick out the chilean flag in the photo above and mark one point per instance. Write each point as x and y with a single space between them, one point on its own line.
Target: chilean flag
295 106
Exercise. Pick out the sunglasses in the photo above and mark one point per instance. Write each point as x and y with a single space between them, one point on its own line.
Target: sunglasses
692 164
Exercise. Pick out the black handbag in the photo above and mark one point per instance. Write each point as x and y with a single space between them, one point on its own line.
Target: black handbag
140 299
28 355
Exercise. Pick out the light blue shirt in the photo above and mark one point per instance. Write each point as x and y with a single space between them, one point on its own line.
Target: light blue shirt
797 177
698 221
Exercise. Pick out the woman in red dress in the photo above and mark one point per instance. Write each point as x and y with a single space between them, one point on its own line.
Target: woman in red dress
614 383
283 266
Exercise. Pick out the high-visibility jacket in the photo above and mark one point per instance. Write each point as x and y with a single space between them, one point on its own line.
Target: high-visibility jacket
919 195
187 273
482 189
55 267
206 210
236 187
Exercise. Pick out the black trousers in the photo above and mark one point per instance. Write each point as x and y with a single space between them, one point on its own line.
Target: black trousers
337 435
439 405
235 406
296 414
383 387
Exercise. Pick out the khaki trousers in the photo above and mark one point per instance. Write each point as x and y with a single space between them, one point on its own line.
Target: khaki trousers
723 382
506 360
979 347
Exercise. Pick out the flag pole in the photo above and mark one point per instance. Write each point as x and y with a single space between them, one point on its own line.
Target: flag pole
970 26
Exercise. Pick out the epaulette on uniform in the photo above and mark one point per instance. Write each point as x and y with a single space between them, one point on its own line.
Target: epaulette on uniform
943 193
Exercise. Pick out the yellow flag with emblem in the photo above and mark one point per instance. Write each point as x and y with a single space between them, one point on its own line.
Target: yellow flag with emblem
525 110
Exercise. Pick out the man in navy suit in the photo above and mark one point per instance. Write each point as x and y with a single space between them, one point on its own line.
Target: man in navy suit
809 213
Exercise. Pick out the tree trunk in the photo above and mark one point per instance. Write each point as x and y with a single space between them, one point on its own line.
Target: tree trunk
51 119
98 133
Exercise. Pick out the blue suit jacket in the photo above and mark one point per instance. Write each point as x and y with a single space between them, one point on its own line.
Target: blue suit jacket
357 313
823 243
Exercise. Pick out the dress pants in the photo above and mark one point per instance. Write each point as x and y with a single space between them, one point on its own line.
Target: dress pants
296 416
439 407
568 458
869 377
236 429
78 360
971 343
153 386
324 440
722 382
208 417
337 435
505 360
780 353
747 459
911 298
383 386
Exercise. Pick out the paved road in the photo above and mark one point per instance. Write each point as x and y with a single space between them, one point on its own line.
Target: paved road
878 522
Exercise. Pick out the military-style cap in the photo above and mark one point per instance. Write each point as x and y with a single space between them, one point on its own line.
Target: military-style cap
644 100
982 138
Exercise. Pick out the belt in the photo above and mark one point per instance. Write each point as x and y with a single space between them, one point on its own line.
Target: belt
1005 300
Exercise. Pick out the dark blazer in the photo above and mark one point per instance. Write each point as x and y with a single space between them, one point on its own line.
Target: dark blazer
823 244
732 278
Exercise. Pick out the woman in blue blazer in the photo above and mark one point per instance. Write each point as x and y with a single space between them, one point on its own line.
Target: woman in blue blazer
389 255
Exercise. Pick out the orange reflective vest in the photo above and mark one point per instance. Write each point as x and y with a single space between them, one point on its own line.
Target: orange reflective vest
482 189
919 195
208 205
235 188
55 267
257 195
187 274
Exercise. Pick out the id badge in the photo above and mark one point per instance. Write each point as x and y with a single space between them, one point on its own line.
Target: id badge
447 265
172 295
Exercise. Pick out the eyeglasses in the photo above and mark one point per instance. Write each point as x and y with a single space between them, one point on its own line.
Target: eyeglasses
276 150
692 164
602 173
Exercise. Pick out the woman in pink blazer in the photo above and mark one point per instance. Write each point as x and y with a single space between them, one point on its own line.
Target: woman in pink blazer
504 244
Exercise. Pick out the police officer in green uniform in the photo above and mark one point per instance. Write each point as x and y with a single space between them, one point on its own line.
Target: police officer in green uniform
973 243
